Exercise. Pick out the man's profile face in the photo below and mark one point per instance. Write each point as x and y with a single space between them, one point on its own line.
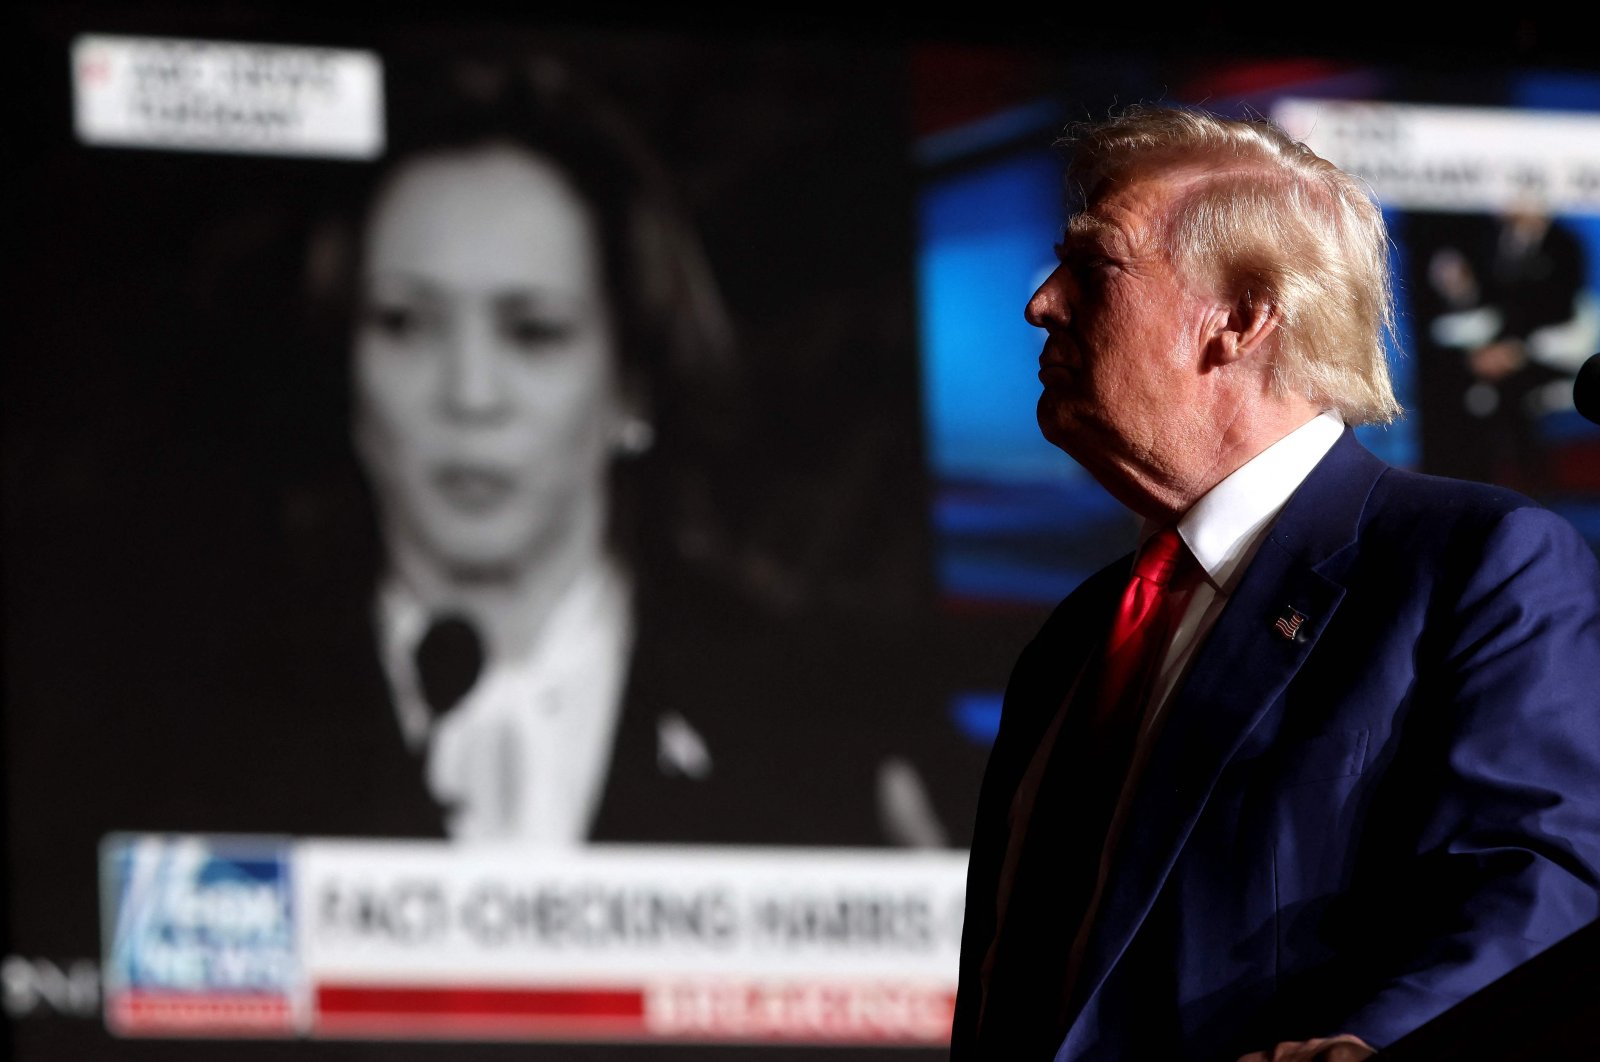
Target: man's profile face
1124 332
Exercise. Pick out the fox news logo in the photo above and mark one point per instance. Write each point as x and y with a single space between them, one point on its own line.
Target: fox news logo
194 919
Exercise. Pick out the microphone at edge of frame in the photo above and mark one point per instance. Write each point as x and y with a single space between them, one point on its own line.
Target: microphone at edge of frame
1586 390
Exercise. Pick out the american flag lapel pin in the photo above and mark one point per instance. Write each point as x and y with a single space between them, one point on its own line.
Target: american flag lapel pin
1289 623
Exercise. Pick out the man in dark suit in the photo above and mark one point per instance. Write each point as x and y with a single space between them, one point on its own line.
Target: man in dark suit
1329 761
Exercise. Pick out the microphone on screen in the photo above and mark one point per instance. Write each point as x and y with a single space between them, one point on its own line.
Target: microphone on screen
1586 389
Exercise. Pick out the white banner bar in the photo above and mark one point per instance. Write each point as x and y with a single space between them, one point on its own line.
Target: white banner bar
1468 159
408 912
259 936
192 95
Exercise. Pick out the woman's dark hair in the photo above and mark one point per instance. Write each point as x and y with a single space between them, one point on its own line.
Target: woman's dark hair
674 340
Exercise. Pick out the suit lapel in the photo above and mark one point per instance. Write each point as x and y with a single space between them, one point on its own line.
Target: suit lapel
1238 677
1060 657
1044 674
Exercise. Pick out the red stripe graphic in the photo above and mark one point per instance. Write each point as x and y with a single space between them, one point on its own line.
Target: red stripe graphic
673 1010
479 1013
143 1013
567 1002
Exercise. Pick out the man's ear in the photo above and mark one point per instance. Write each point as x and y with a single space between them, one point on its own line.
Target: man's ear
1241 329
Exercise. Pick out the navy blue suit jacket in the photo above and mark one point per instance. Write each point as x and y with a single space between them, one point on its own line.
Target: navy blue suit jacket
1351 829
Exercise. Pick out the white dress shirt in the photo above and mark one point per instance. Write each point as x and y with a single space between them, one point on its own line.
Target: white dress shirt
1222 530
524 755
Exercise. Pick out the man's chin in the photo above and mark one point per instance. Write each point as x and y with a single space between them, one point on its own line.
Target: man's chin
1056 425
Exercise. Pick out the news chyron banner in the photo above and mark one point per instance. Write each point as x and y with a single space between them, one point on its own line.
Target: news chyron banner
1430 157
268 937
198 95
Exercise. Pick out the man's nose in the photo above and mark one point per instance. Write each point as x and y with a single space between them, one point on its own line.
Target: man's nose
1047 308
471 385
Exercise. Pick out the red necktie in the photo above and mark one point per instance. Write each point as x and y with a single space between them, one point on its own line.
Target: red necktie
1054 881
1151 606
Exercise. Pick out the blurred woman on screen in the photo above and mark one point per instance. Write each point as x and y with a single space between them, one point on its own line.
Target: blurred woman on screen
539 362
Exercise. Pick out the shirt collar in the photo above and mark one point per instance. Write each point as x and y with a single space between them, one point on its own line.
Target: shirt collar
1225 526
589 630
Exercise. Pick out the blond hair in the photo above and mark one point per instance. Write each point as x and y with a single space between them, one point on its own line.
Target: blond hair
1273 220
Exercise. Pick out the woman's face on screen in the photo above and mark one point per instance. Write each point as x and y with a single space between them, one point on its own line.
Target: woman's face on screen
485 369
